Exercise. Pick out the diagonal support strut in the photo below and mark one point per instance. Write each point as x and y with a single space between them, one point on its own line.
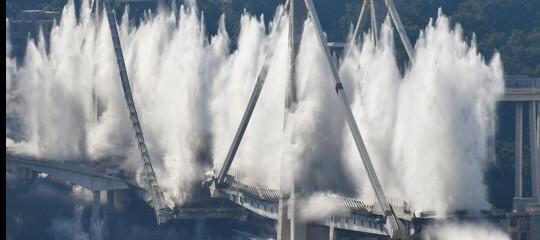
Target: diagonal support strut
391 219
261 78
396 20
157 195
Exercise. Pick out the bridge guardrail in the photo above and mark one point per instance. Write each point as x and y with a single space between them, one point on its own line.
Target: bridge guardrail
521 82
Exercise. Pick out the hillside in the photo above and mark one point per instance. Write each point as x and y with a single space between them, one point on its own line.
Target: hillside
511 27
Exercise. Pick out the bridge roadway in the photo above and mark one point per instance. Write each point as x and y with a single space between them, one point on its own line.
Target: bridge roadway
93 179
360 217
355 215
515 94
71 172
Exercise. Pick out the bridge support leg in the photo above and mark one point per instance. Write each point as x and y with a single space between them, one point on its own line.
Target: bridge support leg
538 150
283 223
518 151
109 215
24 173
298 226
299 231
95 206
532 146
332 234
298 13
94 217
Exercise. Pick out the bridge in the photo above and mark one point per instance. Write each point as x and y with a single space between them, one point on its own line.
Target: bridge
97 180
385 218
354 215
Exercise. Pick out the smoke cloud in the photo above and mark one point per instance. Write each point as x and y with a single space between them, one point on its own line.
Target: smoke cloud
465 231
426 129
318 206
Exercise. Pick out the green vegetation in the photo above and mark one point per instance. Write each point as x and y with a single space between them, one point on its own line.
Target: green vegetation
14 6
511 27
500 175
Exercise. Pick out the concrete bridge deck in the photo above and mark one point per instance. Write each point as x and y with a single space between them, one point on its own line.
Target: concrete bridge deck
95 180
77 174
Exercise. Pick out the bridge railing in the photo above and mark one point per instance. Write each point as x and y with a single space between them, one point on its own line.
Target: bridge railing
522 82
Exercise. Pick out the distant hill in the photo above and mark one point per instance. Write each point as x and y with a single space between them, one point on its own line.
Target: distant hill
511 27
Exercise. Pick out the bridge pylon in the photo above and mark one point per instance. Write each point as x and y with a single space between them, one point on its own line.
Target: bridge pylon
300 10
396 20
157 198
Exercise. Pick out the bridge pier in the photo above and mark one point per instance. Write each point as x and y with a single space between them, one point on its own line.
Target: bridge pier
283 223
299 230
94 217
96 214
518 152
27 174
298 226
537 136
332 233
23 173
534 149
109 215
533 145
95 206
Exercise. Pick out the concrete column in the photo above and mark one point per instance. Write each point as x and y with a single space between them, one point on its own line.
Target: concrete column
532 145
110 201
332 235
23 173
297 15
33 174
518 151
492 143
298 226
94 217
283 223
177 10
27 174
109 215
538 149
374 25
95 207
